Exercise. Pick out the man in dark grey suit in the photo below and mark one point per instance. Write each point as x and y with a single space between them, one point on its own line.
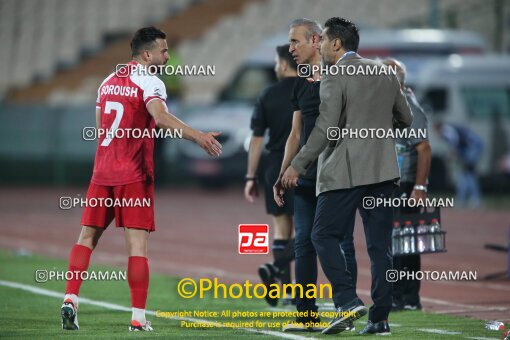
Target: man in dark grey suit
351 169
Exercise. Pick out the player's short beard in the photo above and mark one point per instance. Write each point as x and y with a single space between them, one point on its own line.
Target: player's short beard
327 61
158 64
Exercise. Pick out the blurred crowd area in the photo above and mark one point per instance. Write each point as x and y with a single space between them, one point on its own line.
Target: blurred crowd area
55 54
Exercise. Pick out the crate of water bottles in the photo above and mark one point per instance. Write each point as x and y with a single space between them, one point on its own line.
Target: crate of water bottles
419 233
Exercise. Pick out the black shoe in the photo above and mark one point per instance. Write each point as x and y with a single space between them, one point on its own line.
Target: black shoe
288 301
397 306
69 316
304 324
379 328
268 273
350 327
413 307
347 314
313 325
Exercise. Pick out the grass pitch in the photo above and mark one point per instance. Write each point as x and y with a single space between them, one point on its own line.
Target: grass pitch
31 315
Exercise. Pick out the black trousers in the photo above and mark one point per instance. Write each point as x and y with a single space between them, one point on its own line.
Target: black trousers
335 209
305 203
406 292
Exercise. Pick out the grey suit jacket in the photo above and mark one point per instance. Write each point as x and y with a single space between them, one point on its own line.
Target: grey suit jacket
355 102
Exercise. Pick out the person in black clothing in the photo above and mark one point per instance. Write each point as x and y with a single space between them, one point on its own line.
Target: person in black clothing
304 37
413 155
273 112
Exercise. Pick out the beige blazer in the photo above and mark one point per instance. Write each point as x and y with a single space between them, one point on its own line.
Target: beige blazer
355 102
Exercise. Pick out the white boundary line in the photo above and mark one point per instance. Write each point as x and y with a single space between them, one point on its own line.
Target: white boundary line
438 331
113 306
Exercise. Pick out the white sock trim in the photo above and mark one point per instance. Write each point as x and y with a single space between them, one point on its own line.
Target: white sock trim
74 299
138 315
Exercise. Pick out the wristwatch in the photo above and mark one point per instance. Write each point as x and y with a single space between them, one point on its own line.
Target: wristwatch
420 187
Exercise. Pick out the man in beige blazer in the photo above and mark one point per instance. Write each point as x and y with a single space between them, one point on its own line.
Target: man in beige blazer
353 166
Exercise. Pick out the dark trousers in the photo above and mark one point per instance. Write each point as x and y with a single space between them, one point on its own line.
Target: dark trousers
285 256
406 292
305 203
335 211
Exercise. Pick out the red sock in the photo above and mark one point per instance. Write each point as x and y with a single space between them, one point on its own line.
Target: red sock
79 260
138 279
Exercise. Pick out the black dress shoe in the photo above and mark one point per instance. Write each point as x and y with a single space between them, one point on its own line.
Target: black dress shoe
412 307
346 315
397 306
304 325
350 327
268 273
379 328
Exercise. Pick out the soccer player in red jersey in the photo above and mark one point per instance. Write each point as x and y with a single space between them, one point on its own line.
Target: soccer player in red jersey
130 98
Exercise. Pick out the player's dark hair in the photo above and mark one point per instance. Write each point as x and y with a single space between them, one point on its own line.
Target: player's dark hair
145 38
284 54
346 31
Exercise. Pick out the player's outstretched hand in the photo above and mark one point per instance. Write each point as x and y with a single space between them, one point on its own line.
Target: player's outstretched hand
207 142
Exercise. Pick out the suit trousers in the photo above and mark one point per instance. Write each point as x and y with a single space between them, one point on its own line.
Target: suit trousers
335 210
305 203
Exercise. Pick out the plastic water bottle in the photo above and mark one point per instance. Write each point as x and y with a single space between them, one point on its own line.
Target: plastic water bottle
435 229
408 232
395 237
412 238
422 237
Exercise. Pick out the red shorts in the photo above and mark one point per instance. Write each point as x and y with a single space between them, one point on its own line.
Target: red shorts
132 205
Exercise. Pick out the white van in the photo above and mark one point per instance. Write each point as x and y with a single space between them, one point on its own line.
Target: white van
473 91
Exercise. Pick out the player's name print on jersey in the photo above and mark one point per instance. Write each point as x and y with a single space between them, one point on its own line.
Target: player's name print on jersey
127 91
122 102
